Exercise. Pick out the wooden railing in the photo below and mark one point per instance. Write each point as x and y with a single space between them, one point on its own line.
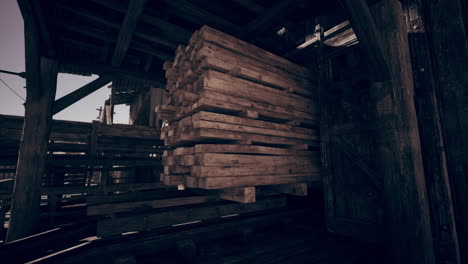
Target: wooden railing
81 149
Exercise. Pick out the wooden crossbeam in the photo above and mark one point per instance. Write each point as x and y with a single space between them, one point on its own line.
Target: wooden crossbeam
135 8
105 22
177 32
77 95
103 36
341 35
97 68
369 37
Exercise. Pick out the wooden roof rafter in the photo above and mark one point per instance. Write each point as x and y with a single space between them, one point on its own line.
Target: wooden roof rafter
127 29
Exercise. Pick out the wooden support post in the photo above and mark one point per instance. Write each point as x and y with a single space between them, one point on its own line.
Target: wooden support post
448 40
41 85
369 37
407 210
241 195
444 229
109 111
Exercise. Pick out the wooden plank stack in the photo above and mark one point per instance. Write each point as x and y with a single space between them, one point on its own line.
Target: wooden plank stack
237 116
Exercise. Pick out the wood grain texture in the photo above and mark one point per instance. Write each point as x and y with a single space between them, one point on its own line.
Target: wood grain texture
41 85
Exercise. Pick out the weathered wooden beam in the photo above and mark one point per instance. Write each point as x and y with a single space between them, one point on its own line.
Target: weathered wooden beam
80 93
177 32
112 208
430 123
97 68
239 194
42 79
104 36
400 158
135 8
48 47
101 21
448 40
369 37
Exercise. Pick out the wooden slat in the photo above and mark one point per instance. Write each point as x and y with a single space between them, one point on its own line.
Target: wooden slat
212 159
251 170
241 47
229 182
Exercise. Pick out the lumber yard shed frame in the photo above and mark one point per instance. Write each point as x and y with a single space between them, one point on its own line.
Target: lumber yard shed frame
407 59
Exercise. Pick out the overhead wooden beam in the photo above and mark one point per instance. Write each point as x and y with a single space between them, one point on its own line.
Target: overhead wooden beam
97 68
369 37
103 36
271 16
135 8
80 93
105 22
177 33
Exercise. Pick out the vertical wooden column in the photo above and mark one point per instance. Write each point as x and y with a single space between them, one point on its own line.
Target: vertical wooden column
444 229
448 39
41 80
407 210
109 112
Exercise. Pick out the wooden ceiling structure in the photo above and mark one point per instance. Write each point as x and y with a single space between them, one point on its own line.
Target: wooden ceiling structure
127 41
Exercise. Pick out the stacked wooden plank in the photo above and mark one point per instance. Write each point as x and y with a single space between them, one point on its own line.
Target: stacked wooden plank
237 116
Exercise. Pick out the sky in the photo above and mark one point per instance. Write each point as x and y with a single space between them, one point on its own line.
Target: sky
12 59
